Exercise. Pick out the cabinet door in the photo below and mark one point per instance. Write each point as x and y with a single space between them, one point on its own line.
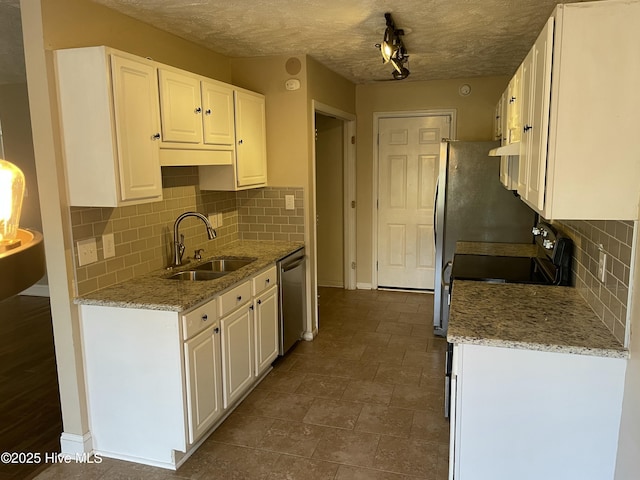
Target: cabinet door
525 147
514 107
202 363
266 329
237 354
217 107
181 107
251 152
135 96
537 125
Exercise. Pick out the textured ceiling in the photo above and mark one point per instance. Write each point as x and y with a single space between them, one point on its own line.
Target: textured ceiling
444 38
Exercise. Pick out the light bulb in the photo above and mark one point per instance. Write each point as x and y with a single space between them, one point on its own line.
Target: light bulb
12 186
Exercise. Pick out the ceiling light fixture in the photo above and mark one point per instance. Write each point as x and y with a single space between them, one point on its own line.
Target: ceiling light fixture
393 50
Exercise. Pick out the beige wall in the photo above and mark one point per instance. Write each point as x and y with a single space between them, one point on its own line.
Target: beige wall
330 200
475 114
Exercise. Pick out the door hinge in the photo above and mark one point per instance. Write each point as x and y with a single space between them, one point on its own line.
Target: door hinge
353 140
353 265
353 204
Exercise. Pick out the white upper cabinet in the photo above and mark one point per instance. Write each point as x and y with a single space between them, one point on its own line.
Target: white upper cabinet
580 146
180 107
110 127
197 117
218 113
535 124
249 169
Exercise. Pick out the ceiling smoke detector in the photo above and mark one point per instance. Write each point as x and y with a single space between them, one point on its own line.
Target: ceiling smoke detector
393 50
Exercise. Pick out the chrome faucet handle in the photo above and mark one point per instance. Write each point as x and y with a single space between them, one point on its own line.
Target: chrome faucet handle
197 255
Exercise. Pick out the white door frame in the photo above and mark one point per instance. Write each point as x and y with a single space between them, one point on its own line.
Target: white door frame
349 165
450 112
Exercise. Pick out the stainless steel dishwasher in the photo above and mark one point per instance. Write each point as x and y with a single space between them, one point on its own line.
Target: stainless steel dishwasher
293 311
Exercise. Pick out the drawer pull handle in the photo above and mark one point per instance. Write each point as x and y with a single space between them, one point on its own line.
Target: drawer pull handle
239 297
216 330
205 317
267 281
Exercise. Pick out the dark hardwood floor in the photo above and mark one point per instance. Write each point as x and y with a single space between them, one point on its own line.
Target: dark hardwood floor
30 416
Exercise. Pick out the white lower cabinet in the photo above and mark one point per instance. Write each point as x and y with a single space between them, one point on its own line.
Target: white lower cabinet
158 382
266 329
237 353
204 382
529 414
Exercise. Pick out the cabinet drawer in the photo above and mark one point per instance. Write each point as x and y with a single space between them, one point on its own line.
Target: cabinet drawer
264 280
198 319
234 298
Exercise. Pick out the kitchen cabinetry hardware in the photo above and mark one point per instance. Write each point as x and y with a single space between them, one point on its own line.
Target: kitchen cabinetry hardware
198 110
207 111
204 317
216 330
240 142
156 136
526 128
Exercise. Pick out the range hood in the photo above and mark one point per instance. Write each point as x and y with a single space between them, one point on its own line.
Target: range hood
510 149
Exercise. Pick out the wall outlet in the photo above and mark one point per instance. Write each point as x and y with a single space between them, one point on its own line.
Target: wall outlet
602 266
289 202
87 251
213 220
108 245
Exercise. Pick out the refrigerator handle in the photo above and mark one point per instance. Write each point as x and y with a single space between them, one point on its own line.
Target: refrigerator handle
435 212
444 270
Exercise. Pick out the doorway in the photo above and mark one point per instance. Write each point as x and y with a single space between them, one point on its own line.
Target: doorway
333 202
329 200
407 161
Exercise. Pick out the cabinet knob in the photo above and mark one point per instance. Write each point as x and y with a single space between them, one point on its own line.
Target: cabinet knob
198 110
512 99
155 137
267 281
239 298
216 330
251 307
207 111
240 142
527 128
259 302
205 317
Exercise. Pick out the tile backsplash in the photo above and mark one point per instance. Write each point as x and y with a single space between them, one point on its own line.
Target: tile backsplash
615 238
143 234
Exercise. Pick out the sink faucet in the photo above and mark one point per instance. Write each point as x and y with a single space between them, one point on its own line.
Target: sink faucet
178 240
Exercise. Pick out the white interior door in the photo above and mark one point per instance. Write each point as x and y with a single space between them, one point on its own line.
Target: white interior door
408 160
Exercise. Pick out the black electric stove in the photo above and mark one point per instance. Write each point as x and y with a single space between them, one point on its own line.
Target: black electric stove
551 267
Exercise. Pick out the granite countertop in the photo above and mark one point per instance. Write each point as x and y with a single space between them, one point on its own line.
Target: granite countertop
497 249
532 317
154 291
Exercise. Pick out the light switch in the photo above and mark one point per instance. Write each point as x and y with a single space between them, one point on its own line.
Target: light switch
87 251
289 202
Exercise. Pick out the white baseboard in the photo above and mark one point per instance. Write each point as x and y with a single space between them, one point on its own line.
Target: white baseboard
37 290
72 444
363 286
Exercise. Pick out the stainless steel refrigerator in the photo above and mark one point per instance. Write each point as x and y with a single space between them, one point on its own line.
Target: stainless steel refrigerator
473 206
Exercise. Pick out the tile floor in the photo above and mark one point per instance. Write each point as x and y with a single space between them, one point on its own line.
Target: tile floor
363 401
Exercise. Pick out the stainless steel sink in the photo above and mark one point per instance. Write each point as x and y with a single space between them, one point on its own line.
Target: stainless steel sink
196 275
225 265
